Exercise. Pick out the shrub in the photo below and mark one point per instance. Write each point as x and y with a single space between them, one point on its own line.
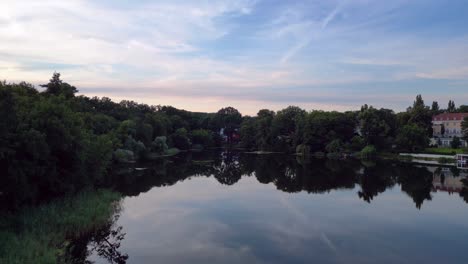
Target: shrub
368 152
202 137
303 150
180 139
456 142
334 147
124 155
159 145
357 143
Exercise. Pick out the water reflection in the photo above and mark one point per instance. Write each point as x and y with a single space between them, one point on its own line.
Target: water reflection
103 242
231 207
294 174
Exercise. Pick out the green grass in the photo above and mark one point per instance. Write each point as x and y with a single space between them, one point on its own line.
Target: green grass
443 151
35 235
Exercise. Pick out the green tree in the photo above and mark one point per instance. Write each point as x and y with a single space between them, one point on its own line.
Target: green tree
335 146
412 138
463 109
57 87
464 127
180 139
377 126
263 135
421 115
229 119
435 108
202 137
248 133
357 143
451 107
456 142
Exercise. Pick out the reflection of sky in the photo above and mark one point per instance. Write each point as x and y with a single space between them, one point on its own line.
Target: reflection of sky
202 221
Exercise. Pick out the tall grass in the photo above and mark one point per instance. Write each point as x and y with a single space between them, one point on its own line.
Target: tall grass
36 235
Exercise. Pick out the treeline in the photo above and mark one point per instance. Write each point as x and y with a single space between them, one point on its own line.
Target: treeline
367 131
54 142
62 142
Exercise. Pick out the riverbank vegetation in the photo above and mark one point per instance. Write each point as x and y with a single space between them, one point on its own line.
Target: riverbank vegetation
40 234
53 142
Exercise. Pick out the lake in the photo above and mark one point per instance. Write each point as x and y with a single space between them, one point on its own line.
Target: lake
244 208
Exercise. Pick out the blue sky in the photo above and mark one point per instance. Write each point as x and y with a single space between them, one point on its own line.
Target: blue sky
203 55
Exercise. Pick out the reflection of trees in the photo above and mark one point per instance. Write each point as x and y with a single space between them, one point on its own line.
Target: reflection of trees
285 172
316 176
464 191
104 241
416 182
228 170
375 180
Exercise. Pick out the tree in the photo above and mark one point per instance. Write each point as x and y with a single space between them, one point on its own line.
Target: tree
263 135
357 143
464 127
377 126
412 138
451 107
57 87
180 139
420 115
456 142
435 108
229 119
463 109
202 137
247 133
334 146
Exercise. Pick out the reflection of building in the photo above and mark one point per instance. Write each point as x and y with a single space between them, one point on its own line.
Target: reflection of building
446 126
462 161
444 180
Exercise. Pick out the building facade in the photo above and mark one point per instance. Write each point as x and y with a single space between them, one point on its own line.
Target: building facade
446 126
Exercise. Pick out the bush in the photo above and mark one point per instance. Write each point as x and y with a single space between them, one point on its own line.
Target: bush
456 142
137 147
368 152
334 147
303 150
357 143
202 137
159 145
180 139
124 155
172 151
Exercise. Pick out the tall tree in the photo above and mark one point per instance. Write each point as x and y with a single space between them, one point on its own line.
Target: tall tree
451 107
435 108
230 119
421 115
57 87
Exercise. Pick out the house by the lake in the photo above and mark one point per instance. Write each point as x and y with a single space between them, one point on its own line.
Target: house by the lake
446 126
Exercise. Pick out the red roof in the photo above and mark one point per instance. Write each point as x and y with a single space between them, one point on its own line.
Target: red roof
449 116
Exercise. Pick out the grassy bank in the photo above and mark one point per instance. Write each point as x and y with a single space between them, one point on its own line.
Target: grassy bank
443 151
35 235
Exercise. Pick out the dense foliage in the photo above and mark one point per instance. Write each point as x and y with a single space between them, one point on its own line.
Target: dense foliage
61 142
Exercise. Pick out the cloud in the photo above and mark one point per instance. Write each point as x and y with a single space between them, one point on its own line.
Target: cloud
318 54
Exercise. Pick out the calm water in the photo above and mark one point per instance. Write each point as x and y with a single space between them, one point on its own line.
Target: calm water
240 208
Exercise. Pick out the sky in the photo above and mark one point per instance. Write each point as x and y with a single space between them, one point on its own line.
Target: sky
250 54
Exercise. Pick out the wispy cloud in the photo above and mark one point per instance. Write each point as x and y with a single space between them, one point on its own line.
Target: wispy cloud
239 51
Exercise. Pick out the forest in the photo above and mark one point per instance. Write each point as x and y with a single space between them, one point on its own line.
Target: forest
62 142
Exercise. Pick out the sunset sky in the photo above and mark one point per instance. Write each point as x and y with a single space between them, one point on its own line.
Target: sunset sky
204 55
